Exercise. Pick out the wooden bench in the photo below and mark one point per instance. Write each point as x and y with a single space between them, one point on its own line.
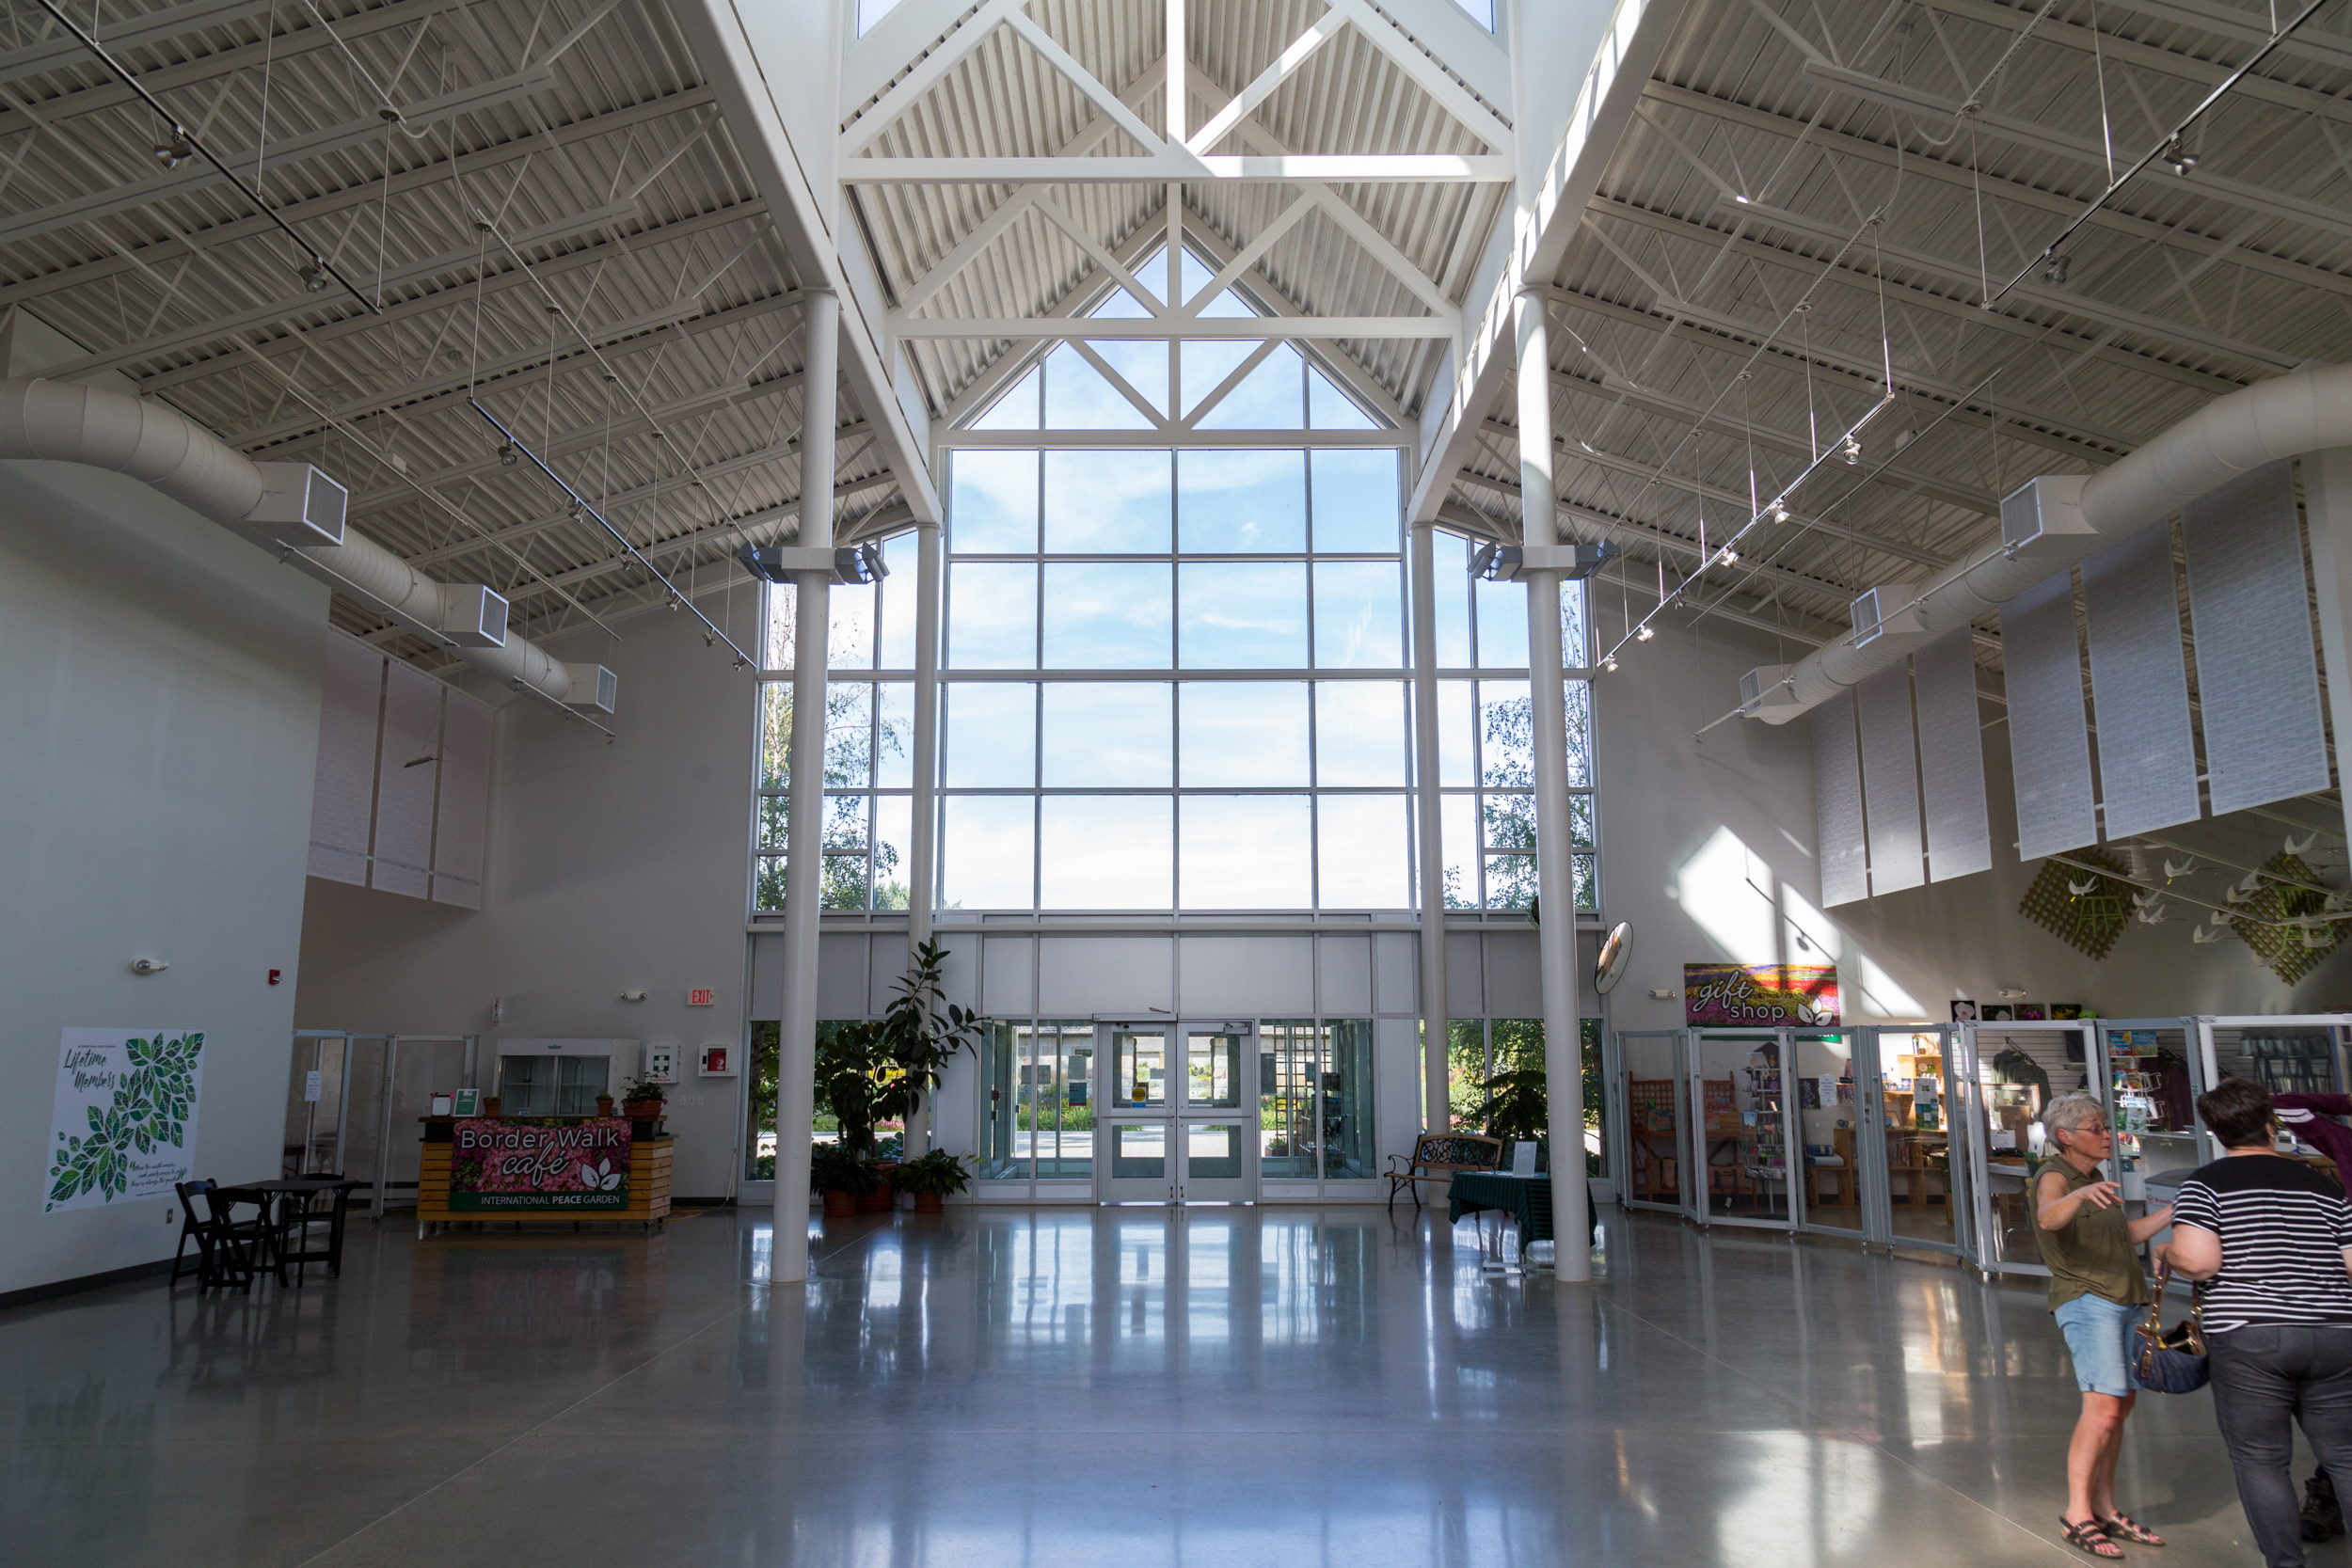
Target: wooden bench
1436 1156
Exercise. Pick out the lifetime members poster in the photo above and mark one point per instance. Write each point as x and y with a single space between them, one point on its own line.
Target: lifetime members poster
123 1128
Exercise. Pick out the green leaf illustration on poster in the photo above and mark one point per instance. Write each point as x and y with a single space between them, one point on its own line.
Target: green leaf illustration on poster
125 1114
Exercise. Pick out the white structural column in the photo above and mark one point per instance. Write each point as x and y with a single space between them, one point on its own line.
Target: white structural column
1556 863
923 847
804 869
2328 506
1430 839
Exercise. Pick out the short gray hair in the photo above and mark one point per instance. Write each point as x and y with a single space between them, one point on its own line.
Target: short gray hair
2074 1110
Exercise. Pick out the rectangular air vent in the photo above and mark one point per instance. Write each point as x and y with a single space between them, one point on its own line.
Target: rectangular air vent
594 689
2043 518
472 616
1888 609
299 505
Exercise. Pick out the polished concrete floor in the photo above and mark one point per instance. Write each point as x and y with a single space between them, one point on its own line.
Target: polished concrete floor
1071 1386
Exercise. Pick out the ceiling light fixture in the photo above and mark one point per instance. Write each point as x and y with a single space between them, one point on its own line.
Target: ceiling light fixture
178 151
1851 451
314 279
1609 662
2178 154
1646 632
1780 512
1729 555
508 456
2054 267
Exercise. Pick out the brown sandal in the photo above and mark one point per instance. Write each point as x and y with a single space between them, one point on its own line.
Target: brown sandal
2089 1536
2132 1531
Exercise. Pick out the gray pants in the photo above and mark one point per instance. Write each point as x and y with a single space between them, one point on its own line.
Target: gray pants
2263 1378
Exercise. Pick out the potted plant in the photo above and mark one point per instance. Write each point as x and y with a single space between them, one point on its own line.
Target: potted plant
604 1104
931 1178
835 1170
642 1099
880 1070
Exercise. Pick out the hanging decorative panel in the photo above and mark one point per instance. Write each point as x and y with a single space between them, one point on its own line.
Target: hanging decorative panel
1837 796
2049 741
462 810
342 793
2139 684
406 779
2257 678
1951 756
1890 779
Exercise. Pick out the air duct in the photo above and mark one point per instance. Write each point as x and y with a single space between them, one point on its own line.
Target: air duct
289 504
2057 520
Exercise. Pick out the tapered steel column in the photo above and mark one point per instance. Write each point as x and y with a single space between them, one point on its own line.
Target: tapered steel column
923 846
803 870
1430 839
1555 865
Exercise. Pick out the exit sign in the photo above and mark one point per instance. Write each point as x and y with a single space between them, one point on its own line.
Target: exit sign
702 996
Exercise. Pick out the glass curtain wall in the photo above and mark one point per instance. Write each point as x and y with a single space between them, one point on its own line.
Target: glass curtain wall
1315 1088
1038 1088
1482 1050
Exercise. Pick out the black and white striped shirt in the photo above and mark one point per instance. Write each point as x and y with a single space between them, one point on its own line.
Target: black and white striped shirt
2284 1228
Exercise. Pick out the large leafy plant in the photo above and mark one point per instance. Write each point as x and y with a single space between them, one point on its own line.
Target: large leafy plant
879 1071
150 1111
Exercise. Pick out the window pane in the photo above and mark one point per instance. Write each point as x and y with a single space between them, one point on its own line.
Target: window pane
1079 397
1501 624
1234 615
1142 362
1506 724
1458 727
992 503
1106 502
1457 822
1579 706
894 849
984 852
1359 733
1107 615
774 827
1328 408
1286 1079
1359 615
1356 504
1349 1150
1451 588
1271 397
1509 822
1574 618
844 887
992 737
778 602
1017 409
1510 881
1243 732
844 822
1364 852
849 637
1244 852
893 739
775 734
1107 734
1206 363
894 648
849 736
1107 852
992 616
1241 502
768 884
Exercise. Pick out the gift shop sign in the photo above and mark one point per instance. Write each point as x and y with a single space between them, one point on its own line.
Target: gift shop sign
495 1164
1774 996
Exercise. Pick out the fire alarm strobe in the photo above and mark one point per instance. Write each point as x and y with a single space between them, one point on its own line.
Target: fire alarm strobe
701 996
718 1061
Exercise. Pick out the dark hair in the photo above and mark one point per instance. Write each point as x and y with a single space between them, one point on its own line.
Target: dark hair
2237 1112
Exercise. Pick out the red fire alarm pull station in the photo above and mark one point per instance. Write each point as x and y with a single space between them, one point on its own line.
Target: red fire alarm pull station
715 1062
272 976
701 996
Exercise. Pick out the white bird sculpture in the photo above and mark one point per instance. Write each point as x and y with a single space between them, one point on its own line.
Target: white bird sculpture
2183 869
2251 881
2295 848
2079 889
2145 896
2152 916
2220 917
2204 936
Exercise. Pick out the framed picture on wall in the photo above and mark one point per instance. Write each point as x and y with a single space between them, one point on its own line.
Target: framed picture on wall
1999 1012
1964 1011
2031 1012
2064 1012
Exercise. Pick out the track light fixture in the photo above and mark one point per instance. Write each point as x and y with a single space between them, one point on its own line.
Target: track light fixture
2178 154
1851 451
1729 556
1609 662
508 456
1780 512
315 278
1646 632
2054 267
178 151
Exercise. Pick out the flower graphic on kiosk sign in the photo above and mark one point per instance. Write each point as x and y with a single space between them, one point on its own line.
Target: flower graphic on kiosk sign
601 1177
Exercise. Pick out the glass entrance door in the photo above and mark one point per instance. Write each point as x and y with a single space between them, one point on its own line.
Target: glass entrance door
1739 1106
1179 1119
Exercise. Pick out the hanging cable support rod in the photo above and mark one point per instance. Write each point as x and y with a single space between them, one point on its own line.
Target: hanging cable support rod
182 134
2171 143
1770 511
580 502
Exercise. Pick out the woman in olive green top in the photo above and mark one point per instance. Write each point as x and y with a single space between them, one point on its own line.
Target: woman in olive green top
2097 1291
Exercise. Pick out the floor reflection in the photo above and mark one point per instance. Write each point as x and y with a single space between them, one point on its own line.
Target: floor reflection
1069 1386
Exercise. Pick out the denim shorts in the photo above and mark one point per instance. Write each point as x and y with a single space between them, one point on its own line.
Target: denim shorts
2097 1334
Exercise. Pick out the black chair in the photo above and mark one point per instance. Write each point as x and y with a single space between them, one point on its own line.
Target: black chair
300 1215
227 1248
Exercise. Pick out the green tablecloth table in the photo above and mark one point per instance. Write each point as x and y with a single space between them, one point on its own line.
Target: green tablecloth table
1525 1198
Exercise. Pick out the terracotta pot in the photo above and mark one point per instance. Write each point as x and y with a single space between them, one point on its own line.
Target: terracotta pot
928 1203
644 1110
490 1106
604 1104
880 1201
841 1205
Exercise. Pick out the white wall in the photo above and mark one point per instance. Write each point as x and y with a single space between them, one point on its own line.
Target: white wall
158 723
611 867
1709 851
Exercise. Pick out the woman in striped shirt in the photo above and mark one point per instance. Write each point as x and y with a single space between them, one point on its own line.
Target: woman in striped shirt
2274 1237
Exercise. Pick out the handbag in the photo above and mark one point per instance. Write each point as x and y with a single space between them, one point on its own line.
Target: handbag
2169 1361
